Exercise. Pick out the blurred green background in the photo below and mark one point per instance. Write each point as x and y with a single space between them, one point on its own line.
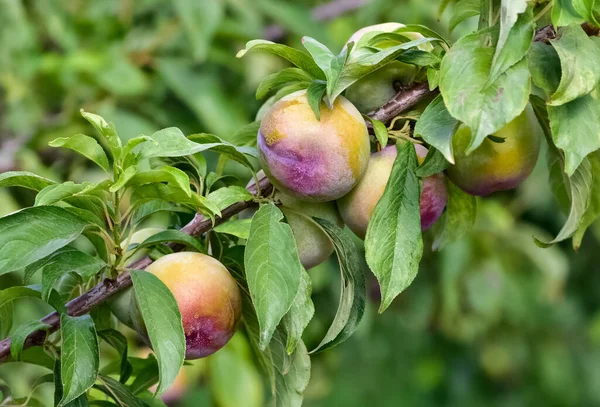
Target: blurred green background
491 320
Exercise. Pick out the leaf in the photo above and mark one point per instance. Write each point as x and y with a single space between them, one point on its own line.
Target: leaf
319 52
588 9
119 342
464 10
292 372
273 269
381 132
239 228
578 188
86 146
118 392
593 211
563 13
393 243
163 323
300 313
24 179
352 302
33 233
107 130
280 78
150 192
20 335
200 21
484 107
434 163
314 96
458 219
79 359
171 175
246 135
544 67
146 375
576 128
124 178
516 35
149 207
68 261
579 65
171 236
238 154
298 58
227 196
437 126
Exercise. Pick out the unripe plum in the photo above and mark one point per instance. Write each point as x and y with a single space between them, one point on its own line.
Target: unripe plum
309 159
208 298
496 166
314 246
357 207
375 89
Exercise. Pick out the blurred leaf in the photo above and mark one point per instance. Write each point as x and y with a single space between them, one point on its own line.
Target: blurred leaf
226 196
293 17
246 135
292 372
351 306
300 313
280 78
24 179
272 269
33 233
84 145
162 319
484 107
79 358
239 228
395 229
563 13
464 10
593 211
458 219
120 76
517 28
299 58
434 163
20 335
200 21
146 375
437 126
118 392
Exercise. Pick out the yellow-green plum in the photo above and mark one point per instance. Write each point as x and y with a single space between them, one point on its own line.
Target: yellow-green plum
310 159
496 166
207 296
375 89
314 246
357 207
120 303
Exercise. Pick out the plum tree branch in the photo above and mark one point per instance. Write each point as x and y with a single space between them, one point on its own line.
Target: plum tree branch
107 288
402 101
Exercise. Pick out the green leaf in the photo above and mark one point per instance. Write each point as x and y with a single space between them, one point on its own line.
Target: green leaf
163 323
393 243
544 67
484 107
579 65
353 294
151 192
239 228
226 196
298 58
517 29
314 95
300 313
107 130
563 13
21 333
171 236
200 21
588 9
578 188
146 375
149 207
33 233
118 392
381 131
593 211
576 128
119 342
86 146
273 269
292 372
171 175
79 358
130 158
434 163
463 10
319 52
280 78
24 179
437 126
238 154
169 142
58 192
124 178
459 218
246 135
